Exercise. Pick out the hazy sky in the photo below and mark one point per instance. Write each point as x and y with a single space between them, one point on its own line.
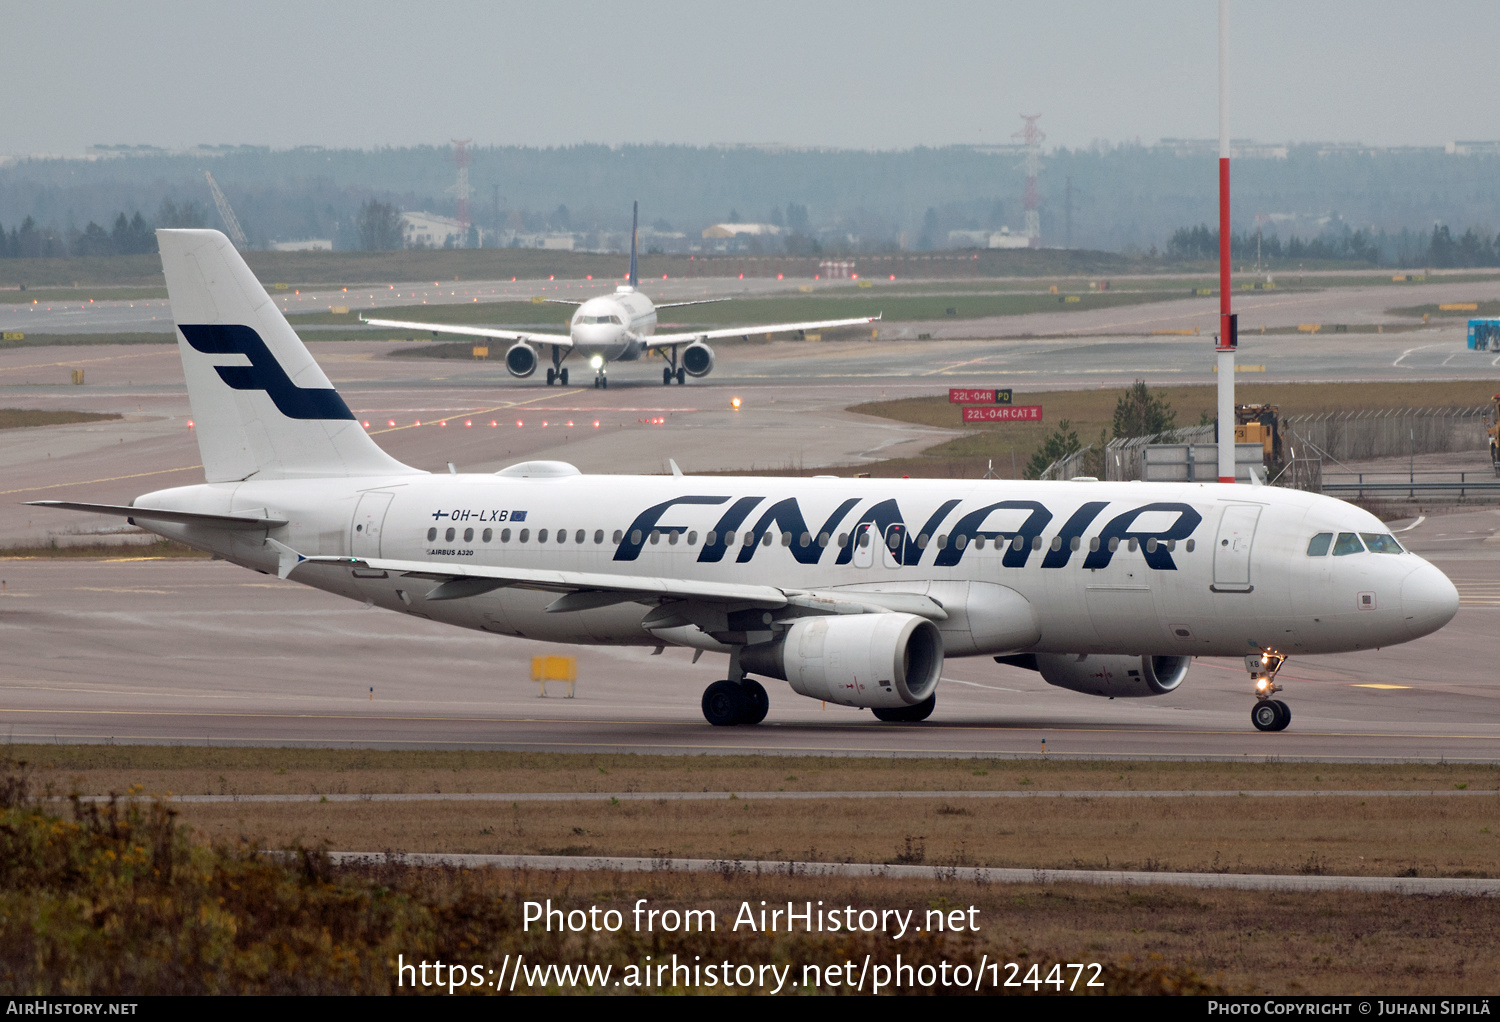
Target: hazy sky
873 74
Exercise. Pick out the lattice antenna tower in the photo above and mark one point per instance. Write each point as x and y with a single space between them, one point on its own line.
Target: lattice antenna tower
461 187
231 222
1031 137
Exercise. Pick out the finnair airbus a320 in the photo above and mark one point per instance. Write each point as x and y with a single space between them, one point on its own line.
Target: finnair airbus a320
620 327
852 590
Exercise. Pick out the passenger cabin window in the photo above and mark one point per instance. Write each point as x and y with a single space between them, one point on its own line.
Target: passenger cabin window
1347 543
488 535
1380 543
431 535
1318 545
448 536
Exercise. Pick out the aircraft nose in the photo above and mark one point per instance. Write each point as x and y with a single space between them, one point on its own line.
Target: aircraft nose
1428 600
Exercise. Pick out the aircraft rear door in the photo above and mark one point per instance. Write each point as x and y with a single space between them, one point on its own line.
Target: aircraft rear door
369 519
1232 548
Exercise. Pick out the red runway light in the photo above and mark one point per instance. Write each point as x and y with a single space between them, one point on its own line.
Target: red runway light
443 423
468 423
596 423
419 422
367 425
893 276
545 423
390 422
494 423
778 276
190 424
518 423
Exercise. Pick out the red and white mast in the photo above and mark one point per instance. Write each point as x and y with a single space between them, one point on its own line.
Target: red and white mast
1228 333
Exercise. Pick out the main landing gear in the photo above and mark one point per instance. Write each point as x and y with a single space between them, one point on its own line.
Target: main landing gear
557 373
1269 714
672 371
730 703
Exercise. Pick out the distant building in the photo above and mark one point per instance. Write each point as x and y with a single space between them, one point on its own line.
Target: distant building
307 245
428 230
987 239
741 231
1472 148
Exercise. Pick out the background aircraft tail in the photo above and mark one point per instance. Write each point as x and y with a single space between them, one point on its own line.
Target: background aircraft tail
635 212
261 406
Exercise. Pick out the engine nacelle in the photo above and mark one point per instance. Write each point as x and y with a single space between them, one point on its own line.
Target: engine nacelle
520 360
867 660
1113 676
698 359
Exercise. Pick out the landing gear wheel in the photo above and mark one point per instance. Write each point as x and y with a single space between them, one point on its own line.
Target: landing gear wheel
562 377
551 376
724 703
604 382
1271 715
681 377
666 377
907 714
757 703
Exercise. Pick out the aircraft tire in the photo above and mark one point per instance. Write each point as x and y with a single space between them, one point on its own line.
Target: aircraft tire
681 377
724 704
551 375
907 714
1286 714
757 703
666 377
1266 716
604 382
562 377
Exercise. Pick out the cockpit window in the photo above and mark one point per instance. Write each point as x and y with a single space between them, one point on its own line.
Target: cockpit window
1380 543
1347 543
1318 545
601 319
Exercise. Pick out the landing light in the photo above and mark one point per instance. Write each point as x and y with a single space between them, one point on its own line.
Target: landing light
734 403
596 361
1261 684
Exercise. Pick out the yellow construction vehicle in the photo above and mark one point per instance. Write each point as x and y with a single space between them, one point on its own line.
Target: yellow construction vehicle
1261 424
1492 426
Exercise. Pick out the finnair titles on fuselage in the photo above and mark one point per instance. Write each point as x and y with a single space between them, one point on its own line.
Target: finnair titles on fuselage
618 327
851 590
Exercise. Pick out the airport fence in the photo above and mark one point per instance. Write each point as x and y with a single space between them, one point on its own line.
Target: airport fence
1360 436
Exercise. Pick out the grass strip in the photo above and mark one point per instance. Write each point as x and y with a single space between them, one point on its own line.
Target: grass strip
17 418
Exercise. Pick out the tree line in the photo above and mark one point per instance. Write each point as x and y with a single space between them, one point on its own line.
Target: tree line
130 235
1440 249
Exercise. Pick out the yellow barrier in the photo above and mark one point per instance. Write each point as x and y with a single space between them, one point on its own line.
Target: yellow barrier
554 668
281 287
1245 369
1309 328
1176 333
1072 298
78 377
339 310
14 336
805 288
481 351
1459 307
538 300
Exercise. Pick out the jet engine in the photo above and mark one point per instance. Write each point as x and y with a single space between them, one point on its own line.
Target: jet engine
1111 676
520 360
866 660
698 359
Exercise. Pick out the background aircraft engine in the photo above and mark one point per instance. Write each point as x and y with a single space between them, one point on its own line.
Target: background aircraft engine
866 660
520 360
1113 675
698 359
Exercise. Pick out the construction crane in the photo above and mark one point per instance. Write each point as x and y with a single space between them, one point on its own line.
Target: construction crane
231 222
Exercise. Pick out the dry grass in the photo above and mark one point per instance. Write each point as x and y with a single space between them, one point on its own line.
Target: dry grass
15 418
105 552
1327 835
1091 411
194 770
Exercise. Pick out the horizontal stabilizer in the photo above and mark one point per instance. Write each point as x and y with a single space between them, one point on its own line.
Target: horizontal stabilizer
147 514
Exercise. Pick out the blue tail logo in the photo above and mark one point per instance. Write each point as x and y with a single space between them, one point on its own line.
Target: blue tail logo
263 372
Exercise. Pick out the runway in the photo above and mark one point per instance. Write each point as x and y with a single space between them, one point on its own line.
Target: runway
205 653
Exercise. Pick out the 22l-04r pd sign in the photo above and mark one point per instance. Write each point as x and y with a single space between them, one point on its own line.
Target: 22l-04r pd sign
1002 413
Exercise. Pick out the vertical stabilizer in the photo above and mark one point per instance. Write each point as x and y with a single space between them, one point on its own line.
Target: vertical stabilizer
261 406
635 212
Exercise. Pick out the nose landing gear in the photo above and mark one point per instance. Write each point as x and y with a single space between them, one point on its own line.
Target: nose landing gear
1268 714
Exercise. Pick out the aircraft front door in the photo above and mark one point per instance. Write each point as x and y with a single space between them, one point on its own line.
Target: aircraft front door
369 519
1232 548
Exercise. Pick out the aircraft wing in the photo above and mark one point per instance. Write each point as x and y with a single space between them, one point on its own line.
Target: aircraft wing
661 340
561 340
582 590
700 301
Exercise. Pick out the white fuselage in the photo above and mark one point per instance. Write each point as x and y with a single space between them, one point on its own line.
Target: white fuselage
613 328
1196 569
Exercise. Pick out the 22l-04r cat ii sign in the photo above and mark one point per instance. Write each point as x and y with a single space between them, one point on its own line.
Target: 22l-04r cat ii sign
1003 413
853 591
